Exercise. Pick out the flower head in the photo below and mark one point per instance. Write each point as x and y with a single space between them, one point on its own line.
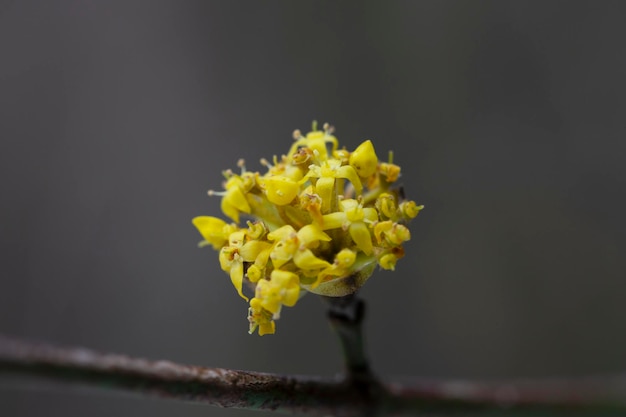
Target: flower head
323 219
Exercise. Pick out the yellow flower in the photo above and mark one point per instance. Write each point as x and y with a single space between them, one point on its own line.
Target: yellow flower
317 141
296 245
260 318
389 259
409 209
322 219
394 233
327 175
238 252
283 288
234 198
340 267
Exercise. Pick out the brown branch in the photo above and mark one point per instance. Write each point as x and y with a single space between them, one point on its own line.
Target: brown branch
313 396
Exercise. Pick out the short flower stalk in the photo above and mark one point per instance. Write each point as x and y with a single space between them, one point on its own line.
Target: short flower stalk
320 220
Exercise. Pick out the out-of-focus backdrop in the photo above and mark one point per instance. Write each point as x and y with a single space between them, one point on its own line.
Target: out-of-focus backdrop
507 118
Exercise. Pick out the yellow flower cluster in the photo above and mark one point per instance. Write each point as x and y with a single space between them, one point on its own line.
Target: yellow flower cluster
322 218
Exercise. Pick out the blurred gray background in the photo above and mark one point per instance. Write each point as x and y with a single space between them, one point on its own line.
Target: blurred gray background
506 117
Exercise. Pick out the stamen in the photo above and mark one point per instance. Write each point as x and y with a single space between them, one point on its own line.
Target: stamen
297 134
241 163
266 163
212 193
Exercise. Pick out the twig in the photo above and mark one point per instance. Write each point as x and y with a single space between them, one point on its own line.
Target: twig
310 395
346 316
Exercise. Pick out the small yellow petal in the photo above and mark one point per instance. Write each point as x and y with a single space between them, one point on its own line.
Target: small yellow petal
325 188
234 202
334 220
364 159
269 295
226 257
211 229
280 190
306 260
289 286
267 328
236 276
361 236
349 173
250 250
312 233
370 214
282 233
